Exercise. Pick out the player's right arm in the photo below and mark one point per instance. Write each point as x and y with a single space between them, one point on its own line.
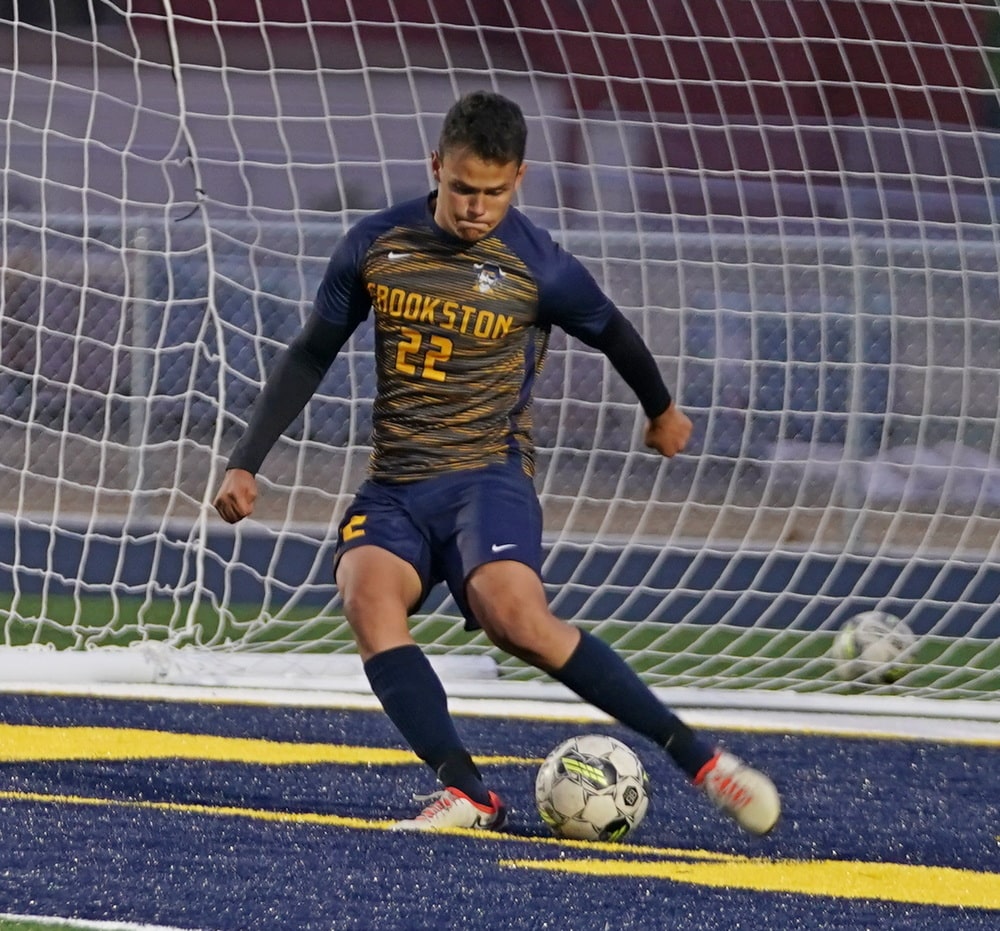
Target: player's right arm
341 303
286 392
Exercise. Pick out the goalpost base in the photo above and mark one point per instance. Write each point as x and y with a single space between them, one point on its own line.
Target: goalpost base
161 664
474 687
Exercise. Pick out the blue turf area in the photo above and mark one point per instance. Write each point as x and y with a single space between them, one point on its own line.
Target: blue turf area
229 845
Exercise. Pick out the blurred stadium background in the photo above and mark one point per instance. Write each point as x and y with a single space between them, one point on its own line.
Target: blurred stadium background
795 201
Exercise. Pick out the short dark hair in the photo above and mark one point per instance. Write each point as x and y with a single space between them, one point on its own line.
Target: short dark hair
488 124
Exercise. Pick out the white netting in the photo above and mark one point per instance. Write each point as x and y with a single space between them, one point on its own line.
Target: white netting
794 200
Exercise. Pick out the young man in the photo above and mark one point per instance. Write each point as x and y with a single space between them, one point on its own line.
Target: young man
464 291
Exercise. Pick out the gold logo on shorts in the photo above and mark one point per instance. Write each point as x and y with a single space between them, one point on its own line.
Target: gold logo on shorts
353 528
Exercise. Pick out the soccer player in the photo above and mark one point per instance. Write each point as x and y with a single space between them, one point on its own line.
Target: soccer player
465 290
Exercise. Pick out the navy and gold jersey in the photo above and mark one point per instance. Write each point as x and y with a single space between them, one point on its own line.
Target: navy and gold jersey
460 333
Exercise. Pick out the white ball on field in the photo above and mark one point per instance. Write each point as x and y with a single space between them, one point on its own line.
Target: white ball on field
592 787
873 647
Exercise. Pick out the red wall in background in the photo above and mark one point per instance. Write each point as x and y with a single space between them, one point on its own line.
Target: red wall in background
838 59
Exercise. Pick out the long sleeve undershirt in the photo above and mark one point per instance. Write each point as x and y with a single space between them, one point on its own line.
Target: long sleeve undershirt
631 358
288 388
301 368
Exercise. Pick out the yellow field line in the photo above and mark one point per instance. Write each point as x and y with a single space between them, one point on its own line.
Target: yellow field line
340 821
27 742
838 879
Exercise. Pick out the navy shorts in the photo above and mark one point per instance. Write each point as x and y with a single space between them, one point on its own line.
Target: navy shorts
447 526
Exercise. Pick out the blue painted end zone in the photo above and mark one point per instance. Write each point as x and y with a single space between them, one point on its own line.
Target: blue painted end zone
188 843
775 590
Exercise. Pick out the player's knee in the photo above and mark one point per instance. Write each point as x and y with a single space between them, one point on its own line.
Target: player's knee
377 622
506 639
356 604
539 640
366 604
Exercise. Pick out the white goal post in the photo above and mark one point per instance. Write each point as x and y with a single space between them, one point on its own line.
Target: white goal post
797 202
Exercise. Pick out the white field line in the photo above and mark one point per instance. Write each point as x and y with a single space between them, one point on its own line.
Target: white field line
84 925
550 702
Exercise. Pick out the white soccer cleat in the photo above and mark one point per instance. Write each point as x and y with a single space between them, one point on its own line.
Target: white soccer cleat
743 793
451 808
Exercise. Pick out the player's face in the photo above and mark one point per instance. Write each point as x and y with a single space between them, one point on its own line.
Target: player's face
473 195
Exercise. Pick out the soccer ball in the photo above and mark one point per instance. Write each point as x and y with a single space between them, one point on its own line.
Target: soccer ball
870 648
592 787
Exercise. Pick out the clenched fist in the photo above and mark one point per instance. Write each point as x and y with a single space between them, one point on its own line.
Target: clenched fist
669 433
236 496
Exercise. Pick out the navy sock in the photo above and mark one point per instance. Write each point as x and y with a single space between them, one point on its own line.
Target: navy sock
600 676
412 696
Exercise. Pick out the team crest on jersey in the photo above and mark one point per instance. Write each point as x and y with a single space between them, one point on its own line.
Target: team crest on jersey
489 275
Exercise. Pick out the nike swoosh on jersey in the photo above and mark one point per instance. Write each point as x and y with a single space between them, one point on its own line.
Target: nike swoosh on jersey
397 255
500 547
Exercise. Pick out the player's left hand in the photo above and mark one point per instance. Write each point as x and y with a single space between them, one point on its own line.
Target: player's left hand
669 433
236 496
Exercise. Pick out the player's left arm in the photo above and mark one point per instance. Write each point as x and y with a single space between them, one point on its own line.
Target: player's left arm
669 428
569 297
669 432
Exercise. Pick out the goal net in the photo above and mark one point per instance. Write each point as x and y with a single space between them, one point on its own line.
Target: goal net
795 201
